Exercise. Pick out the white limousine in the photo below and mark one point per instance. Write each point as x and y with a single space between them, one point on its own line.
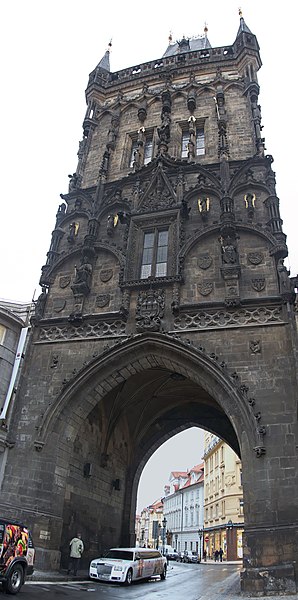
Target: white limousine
125 565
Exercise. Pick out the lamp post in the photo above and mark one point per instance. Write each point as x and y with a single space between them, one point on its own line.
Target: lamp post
176 540
230 532
200 532
158 535
164 524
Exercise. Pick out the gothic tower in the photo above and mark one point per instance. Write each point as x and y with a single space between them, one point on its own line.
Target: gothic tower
165 303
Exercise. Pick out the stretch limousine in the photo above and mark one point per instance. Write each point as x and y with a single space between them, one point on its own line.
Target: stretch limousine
125 565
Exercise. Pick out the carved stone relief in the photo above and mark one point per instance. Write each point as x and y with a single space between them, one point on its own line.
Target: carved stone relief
64 280
258 283
59 304
150 310
105 275
102 300
255 258
205 287
204 261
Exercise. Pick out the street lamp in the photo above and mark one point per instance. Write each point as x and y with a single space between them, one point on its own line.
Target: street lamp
176 540
230 549
164 524
200 532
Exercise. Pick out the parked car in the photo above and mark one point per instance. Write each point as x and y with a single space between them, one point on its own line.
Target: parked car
190 557
16 555
125 565
172 554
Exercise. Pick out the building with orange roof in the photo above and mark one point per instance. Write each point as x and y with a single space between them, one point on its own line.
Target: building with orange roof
183 508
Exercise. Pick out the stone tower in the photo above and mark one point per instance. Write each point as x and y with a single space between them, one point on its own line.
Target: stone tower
165 304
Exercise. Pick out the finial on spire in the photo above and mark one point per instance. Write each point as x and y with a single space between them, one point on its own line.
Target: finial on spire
109 45
170 37
205 29
240 12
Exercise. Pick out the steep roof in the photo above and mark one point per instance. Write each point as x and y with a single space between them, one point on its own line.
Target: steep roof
242 26
104 63
187 44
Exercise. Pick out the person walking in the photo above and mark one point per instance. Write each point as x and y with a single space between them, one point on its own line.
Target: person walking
220 554
76 548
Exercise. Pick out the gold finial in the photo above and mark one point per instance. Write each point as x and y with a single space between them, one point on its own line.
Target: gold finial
205 29
240 12
170 38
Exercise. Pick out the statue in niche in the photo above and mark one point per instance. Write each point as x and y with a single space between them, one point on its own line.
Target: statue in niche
112 222
73 232
250 200
164 130
204 205
83 275
113 131
228 250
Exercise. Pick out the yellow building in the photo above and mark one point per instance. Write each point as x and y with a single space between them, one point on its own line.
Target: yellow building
223 499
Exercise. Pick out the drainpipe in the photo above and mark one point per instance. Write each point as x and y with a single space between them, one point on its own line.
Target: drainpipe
16 366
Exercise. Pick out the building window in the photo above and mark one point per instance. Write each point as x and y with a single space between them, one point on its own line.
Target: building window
148 149
222 454
155 254
134 147
184 144
199 141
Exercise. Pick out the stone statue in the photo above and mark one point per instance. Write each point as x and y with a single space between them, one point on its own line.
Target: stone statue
73 182
283 274
229 252
40 304
164 130
83 275
73 232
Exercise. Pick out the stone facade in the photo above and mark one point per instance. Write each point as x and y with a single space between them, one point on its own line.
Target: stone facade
165 304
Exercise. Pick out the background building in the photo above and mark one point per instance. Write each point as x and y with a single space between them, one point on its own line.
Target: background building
149 526
14 330
223 499
184 508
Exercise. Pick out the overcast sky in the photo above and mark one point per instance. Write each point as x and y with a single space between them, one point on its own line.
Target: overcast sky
48 49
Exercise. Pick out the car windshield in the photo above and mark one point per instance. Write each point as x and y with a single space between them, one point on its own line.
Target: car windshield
120 554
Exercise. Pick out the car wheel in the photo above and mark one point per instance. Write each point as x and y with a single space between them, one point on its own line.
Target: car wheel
15 580
128 578
163 574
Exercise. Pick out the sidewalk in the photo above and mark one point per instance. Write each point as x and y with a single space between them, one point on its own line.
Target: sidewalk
228 590
82 575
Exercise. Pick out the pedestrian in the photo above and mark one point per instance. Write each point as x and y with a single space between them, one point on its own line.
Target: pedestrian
220 552
76 547
216 555
205 555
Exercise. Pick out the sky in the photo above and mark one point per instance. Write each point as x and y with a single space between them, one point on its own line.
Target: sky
48 49
182 452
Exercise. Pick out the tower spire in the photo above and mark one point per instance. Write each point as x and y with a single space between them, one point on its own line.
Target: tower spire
242 26
104 63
